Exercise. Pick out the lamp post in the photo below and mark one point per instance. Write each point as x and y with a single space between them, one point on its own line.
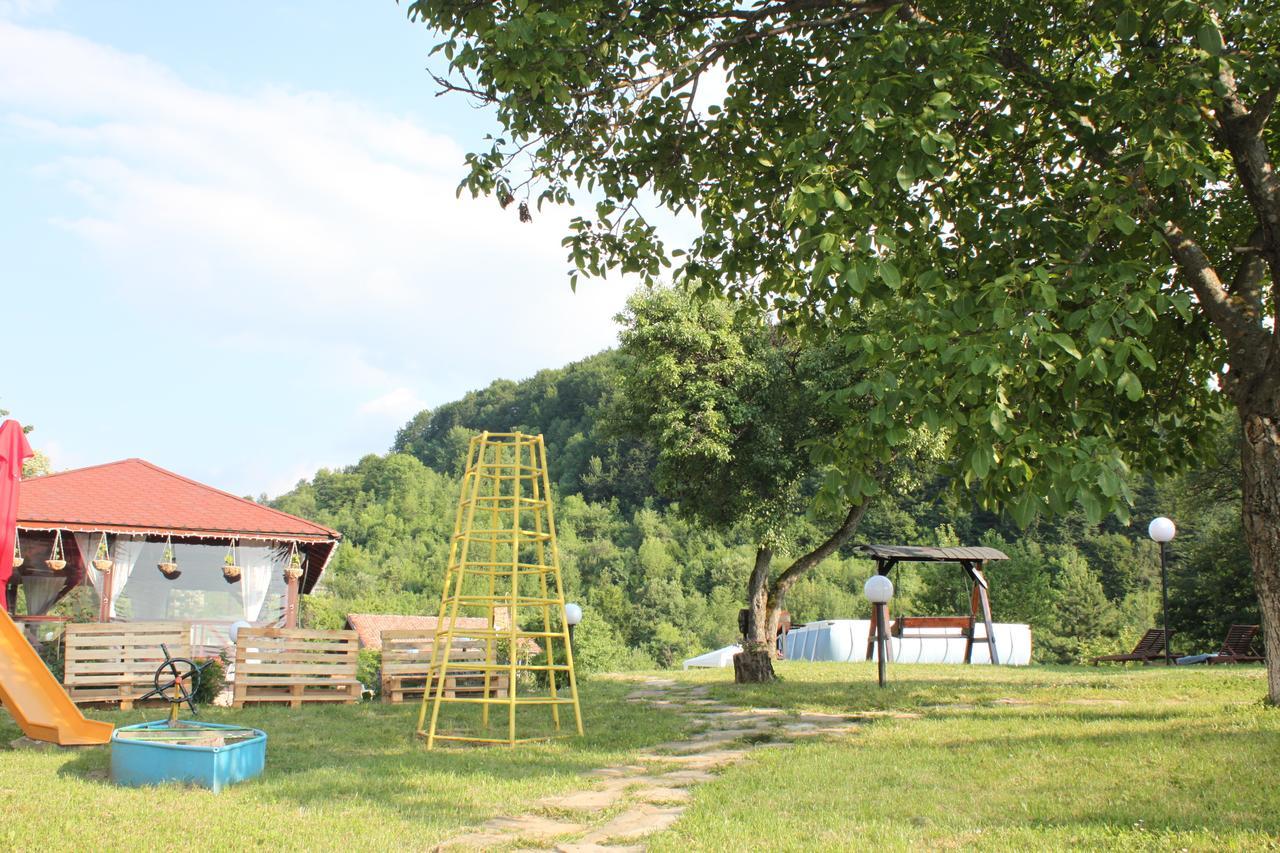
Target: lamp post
879 589
572 616
1162 530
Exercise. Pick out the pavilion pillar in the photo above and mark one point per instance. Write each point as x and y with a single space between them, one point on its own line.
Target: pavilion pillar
104 600
291 601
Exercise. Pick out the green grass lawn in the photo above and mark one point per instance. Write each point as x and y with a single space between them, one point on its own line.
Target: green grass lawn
337 777
1005 758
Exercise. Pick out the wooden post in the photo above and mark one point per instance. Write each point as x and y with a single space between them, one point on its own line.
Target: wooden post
882 639
104 600
291 602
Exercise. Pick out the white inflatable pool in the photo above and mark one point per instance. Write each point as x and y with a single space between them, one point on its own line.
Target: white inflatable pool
845 640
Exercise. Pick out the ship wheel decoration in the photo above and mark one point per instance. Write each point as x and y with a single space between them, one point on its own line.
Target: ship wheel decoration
176 681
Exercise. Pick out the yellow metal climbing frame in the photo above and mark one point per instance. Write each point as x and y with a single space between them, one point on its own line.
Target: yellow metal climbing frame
504 567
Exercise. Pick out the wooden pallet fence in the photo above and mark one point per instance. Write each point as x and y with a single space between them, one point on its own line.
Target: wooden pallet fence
295 665
406 659
117 661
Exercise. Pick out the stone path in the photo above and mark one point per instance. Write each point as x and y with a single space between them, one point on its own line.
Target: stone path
628 802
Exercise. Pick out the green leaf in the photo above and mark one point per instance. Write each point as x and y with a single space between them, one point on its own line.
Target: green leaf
1130 385
905 177
842 200
1066 343
1125 223
856 276
940 99
890 275
1210 39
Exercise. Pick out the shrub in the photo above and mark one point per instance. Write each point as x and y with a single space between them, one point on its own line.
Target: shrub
212 679
369 670
51 653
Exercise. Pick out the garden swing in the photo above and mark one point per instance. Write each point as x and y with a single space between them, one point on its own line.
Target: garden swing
971 560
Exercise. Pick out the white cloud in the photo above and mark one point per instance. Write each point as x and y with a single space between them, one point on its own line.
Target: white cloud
298 218
26 8
397 405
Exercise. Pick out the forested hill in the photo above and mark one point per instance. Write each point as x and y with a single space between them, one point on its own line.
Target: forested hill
565 405
658 588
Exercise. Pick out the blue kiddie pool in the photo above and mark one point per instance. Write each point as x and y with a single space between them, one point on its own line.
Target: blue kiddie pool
211 755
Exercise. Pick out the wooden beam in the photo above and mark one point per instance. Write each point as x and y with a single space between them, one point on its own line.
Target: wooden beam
291 602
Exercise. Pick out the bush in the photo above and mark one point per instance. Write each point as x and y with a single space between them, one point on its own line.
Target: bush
369 670
212 679
51 653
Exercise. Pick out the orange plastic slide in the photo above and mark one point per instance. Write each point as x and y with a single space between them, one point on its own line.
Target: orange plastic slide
35 698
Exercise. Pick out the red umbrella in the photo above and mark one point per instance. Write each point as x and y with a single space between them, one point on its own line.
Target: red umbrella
13 449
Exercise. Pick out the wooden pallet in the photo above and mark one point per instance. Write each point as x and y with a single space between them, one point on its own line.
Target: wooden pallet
295 665
117 661
406 660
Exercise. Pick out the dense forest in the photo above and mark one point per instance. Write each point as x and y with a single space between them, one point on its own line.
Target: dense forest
658 585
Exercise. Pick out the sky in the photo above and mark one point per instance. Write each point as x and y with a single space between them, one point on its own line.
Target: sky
230 242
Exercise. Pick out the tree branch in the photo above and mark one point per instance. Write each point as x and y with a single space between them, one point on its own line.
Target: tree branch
842 535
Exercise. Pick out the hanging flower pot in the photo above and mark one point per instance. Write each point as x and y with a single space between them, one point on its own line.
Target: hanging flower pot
230 568
102 558
17 551
57 557
168 566
293 571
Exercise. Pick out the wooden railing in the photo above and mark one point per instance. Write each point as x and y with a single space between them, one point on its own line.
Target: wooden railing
406 660
116 661
296 666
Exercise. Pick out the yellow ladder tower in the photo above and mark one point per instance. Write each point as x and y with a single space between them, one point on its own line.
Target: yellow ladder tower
504 567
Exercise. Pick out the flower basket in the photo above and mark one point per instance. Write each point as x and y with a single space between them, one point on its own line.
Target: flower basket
102 557
57 557
292 573
168 565
18 561
230 573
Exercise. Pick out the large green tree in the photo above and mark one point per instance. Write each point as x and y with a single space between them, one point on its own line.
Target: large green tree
1065 213
732 403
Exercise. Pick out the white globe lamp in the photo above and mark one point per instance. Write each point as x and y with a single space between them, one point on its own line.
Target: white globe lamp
879 589
1162 530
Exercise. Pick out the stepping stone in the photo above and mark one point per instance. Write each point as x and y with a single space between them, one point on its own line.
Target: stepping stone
532 826
709 760
589 847
475 841
822 719
637 822
626 783
584 800
684 778
617 771
663 795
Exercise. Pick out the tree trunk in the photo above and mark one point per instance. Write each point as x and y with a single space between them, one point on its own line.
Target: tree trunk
754 664
1260 464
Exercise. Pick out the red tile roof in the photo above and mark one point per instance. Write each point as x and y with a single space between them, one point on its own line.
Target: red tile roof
134 496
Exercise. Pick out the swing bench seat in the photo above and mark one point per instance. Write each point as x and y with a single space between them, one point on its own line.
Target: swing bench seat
938 627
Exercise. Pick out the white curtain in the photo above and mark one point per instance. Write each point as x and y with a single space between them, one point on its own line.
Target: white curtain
41 591
124 552
257 564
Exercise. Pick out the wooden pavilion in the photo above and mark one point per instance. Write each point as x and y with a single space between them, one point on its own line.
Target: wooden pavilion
157 546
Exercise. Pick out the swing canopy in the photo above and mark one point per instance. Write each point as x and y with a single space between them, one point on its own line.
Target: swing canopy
920 554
